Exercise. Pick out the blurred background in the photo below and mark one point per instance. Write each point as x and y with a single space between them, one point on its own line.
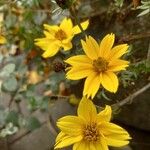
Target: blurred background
34 92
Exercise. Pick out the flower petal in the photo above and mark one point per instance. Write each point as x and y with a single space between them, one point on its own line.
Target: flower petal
51 52
91 85
90 47
51 28
109 81
80 60
67 46
106 45
76 73
101 145
87 110
114 134
70 125
2 40
49 35
67 140
45 43
77 30
105 115
81 146
66 25
118 65
118 51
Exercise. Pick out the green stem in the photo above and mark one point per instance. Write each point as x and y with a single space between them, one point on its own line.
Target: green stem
73 13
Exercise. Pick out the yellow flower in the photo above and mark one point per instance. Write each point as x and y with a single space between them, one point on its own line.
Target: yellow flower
89 130
57 37
99 65
2 40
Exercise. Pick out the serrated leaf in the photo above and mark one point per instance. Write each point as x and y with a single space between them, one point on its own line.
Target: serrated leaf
10 84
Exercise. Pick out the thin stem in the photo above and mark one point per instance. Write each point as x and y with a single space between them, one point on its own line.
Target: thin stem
132 37
73 13
131 97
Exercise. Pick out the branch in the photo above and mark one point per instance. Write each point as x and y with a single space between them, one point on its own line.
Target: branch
131 37
131 97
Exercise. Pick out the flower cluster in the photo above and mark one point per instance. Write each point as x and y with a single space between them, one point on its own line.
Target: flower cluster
98 65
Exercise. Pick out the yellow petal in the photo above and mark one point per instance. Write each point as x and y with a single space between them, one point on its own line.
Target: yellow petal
77 73
70 125
106 45
67 46
66 25
76 29
80 60
109 81
60 136
101 145
116 143
117 65
49 35
118 51
81 146
51 52
105 115
114 134
92 84
87 110
90 47
51 28
2 40
67 140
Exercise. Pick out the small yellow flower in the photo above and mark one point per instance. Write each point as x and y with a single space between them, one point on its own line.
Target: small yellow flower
89 130
2 39
57 37
99 65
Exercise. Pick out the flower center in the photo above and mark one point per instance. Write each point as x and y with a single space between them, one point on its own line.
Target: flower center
100 64
60 35
91 133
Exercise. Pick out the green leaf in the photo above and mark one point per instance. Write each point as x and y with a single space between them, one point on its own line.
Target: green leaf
13 117
7 70
10 84
2 116
33 123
